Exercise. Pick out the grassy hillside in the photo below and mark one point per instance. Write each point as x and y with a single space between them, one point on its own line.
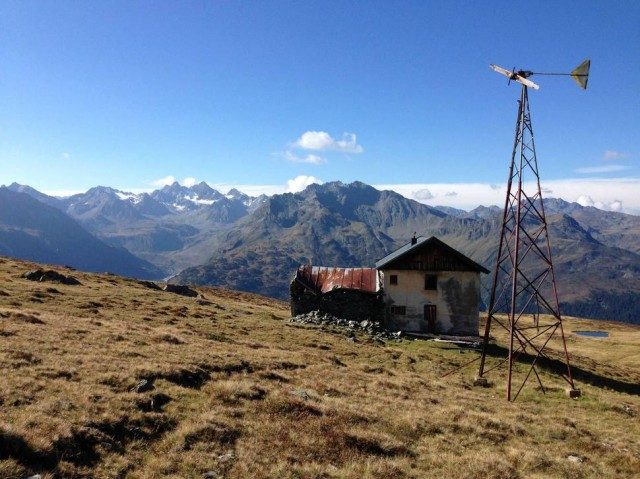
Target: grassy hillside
240 392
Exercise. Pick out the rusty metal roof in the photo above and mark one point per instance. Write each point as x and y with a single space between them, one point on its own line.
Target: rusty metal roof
322 279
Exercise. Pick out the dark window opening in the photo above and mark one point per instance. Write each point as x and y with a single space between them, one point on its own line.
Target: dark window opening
393 279
430 281
400 310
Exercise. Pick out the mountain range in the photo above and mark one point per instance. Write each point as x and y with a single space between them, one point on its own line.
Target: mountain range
199 235
34 230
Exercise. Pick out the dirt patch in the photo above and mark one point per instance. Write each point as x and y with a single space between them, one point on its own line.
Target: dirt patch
116 382
91 305
217 433
293 407
22 318
288 366
22 358
187 378
374 447
154 403
169 338
59 374
271 376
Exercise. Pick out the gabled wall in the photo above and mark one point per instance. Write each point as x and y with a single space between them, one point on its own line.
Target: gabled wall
457 301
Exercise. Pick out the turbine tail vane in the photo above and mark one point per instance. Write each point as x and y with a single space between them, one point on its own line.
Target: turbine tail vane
581 74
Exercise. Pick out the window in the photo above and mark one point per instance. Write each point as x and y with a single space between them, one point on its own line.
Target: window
393 279
430 281
400 310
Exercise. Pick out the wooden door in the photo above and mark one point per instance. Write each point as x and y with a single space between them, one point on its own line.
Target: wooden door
430 317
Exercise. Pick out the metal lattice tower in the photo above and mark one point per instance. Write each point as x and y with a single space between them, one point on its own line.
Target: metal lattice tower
524 283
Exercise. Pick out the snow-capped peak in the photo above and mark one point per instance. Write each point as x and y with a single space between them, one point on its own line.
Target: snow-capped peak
126 196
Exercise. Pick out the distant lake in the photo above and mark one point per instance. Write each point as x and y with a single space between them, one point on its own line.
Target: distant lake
593 334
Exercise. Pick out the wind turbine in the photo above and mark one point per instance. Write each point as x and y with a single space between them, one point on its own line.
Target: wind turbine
524 281
580 74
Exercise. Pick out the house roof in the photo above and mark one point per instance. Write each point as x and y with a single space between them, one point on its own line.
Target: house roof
322 279
424 242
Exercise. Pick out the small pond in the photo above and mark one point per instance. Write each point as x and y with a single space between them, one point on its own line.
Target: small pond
593 334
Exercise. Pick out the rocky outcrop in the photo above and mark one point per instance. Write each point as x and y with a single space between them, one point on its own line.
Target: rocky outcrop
50 275
150 285
181 290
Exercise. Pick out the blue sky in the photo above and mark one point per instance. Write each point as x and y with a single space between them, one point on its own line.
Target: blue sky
390 93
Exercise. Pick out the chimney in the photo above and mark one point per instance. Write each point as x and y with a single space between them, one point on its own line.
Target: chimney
414 240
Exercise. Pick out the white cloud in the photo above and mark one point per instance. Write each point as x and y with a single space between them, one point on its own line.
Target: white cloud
469 195
61 193
321 140
167 180
310 158
451 193
586 200
602 169
422 195
615 205
71 192
615 194
613 155
299 183
189 181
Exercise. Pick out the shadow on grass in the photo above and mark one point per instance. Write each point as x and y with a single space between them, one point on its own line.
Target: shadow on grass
13 446
557 366
85 445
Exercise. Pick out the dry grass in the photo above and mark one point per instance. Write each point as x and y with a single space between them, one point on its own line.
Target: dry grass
242 393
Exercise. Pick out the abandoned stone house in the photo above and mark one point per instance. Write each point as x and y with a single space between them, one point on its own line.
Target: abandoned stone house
430 287
349 293
425 286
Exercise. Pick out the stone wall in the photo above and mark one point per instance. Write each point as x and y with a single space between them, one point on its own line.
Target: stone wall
348 304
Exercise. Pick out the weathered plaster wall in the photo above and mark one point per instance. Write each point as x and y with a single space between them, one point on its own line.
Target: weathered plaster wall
457 301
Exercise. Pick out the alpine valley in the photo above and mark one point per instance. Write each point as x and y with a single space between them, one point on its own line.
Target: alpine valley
199 235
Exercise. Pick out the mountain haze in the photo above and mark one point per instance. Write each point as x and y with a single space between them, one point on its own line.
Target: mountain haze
354 225
36 231
254 244
171 227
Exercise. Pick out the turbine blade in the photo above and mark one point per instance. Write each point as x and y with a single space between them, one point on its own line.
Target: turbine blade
498 69
526 82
